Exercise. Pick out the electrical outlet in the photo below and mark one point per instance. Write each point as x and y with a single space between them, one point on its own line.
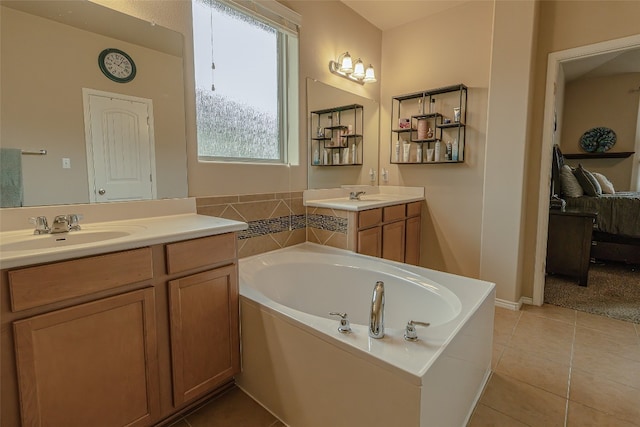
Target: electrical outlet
66 163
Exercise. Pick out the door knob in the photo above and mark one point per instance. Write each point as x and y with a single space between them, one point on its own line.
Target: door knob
101 191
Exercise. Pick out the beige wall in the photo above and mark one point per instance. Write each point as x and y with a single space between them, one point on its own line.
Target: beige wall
509 102
602 101
448 48
329 28
564 25
45 65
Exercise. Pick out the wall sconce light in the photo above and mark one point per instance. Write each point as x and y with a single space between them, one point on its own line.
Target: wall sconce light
344 67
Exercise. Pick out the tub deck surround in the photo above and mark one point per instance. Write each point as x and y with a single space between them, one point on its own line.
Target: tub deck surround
137 231
292 346
375 197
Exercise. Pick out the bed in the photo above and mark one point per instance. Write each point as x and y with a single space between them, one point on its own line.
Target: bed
616 233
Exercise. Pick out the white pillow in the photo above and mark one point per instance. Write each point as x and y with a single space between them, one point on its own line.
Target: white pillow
570 185
605 184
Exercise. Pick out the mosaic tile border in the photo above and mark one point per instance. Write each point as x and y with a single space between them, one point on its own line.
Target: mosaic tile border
328 223
263 227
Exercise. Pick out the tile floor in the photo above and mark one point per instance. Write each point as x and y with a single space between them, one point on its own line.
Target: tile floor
551 367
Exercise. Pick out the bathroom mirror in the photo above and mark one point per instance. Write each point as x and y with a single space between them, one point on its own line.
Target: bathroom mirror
50 54
322 96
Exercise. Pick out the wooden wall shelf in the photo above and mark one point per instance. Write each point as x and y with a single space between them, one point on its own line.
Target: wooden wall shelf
606 155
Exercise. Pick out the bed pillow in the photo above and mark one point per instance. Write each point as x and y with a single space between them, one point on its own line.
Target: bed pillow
570 185
588 182
605 184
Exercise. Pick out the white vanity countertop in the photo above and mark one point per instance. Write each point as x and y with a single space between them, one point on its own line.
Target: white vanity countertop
122 235
374 197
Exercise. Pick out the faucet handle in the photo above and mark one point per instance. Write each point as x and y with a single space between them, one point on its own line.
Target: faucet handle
345 327
355 195
74 221
410 333
42 226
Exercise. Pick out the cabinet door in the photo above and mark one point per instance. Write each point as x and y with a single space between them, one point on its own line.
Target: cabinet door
94 364
393 241
370 242
412 242
205 349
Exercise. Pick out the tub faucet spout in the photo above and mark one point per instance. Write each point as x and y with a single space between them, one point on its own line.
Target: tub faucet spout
376 319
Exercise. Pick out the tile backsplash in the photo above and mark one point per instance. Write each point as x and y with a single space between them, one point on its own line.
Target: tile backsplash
328 227
276 220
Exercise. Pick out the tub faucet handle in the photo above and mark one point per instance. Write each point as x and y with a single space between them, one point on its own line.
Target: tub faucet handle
410 333
345 327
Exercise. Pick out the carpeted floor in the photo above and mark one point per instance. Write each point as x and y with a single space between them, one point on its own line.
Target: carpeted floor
613 291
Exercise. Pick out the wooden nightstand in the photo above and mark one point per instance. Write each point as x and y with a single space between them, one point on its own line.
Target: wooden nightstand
569 243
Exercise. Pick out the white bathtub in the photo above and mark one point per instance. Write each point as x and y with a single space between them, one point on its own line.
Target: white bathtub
297 364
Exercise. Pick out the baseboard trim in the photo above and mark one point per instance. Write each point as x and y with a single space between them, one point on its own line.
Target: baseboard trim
515 306
526 300
509 305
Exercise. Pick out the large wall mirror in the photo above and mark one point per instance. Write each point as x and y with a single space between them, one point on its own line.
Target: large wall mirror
321 96
50 53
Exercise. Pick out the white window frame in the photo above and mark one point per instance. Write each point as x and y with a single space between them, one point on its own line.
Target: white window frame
286 22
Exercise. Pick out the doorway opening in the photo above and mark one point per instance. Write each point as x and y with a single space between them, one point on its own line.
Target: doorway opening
554 98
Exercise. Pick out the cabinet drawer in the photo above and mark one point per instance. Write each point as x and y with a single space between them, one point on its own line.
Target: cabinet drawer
414 209
393 213
190 254
369 218
35 286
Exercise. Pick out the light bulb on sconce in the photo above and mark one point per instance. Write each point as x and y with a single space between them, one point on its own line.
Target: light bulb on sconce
358 70
370 75
344 67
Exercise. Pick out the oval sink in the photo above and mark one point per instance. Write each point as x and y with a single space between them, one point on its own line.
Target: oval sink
49 241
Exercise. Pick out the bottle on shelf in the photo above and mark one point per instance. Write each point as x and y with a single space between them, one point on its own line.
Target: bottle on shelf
454 150
406 150
422 129
432 106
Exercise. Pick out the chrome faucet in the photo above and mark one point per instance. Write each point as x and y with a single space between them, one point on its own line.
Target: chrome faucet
355 195
61 224
376 319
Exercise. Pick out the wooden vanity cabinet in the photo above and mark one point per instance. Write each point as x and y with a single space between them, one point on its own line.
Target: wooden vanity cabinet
393 232
390 232
203 313
369 235
127 352
91 364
